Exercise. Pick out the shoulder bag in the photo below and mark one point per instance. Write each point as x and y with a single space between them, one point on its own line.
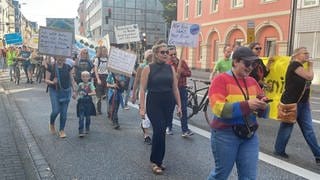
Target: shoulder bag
287 113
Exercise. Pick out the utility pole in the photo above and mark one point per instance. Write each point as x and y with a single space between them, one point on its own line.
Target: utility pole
292 26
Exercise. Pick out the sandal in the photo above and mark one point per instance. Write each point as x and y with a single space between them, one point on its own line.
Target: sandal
156 169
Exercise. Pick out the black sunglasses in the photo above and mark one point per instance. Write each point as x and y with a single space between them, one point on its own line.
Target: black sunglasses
164 52
173 55
253 64
258 48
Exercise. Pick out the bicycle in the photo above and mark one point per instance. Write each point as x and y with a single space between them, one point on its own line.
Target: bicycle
193 104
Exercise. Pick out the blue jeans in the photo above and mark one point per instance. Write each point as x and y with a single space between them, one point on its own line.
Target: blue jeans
184 102
227 149
304 121
58 108
81 122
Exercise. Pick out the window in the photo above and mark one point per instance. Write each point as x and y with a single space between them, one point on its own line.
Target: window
270 47
266 1
214 5
186 9
199 7
237 3
309 3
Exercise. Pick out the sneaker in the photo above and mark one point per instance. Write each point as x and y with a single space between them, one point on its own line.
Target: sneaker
148 140
116 126
318 161
81 134
187 133
62 134
283 154
52 129
126 108
169 131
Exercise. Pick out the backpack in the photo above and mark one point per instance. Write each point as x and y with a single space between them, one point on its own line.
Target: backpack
82 65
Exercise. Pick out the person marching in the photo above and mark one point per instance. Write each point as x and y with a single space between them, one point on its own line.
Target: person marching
60 82
297 82
235 100
100 75
85 106
183 72
223 64
160 80
145 123
115 84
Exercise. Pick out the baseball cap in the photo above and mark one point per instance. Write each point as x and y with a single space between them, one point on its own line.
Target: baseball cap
244 53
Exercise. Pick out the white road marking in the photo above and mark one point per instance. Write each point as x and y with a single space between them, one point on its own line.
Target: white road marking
262 156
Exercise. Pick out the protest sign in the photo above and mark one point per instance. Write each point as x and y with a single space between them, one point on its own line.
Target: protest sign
184 34
13 38
126 34
55 42
121 61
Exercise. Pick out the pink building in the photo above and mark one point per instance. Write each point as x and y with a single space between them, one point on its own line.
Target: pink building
235 22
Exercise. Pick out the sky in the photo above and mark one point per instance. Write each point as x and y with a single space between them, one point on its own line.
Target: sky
39 10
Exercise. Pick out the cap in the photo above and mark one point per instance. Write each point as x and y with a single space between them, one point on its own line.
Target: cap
244 53
147 53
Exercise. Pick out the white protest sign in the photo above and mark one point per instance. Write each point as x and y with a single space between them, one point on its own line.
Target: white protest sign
126 34
184 34
121 61
55 42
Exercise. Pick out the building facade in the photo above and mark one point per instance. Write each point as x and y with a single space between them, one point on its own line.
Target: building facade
307 31
7 18
235 22
101 16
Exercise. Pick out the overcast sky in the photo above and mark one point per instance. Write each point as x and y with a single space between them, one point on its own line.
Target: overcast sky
39 10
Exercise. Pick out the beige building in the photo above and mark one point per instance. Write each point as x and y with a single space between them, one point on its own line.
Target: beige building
307 31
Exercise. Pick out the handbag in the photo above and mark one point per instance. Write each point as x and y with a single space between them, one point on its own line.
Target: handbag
287 113
245 131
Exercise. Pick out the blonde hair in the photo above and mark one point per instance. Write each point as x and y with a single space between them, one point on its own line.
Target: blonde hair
298 51
155 49
85 73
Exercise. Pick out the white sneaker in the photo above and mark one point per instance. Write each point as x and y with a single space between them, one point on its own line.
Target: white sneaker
169 131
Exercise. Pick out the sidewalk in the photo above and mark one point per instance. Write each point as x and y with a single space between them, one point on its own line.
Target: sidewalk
11 166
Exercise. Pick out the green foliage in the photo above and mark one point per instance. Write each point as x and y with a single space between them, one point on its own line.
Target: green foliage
170 10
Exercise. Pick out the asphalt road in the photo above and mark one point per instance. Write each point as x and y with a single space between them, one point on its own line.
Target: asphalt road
110 154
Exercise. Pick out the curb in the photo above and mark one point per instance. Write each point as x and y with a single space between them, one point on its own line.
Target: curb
34 163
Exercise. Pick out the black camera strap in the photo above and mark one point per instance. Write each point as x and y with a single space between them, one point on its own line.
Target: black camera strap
246 97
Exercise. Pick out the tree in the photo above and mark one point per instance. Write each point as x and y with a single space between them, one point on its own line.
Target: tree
170 10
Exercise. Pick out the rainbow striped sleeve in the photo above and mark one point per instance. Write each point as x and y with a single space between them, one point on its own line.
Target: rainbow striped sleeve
226 99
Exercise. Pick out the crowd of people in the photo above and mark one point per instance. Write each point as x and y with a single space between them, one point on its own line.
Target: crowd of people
159 82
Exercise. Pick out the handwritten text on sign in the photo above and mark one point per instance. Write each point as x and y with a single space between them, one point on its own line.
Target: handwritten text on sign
55 42
184 34
121 61
126 34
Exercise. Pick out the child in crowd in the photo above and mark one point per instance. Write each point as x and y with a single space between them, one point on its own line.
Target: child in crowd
85 106
116 84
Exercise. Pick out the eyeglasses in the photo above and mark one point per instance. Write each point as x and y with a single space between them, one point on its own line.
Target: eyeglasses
258 48
253 64
173 54
164 52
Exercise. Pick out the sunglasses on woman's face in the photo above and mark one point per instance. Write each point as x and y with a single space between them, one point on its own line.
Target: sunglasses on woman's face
258 48
247 64
164 52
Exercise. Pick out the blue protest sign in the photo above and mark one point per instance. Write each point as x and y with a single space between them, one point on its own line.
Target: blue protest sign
13 38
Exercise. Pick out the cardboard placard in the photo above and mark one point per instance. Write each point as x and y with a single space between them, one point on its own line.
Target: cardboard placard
121 61
126 34
55 42
184 34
